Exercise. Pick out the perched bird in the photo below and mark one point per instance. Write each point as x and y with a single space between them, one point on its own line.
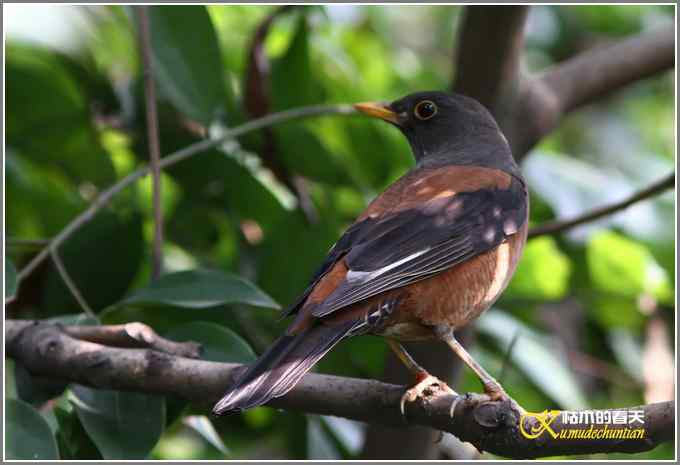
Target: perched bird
427 256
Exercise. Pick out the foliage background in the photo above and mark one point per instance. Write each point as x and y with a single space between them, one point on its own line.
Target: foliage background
578 310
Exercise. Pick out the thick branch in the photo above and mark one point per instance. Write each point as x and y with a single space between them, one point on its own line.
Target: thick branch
559 226
47 351
546 98
153 139
590 75
488 56
106 196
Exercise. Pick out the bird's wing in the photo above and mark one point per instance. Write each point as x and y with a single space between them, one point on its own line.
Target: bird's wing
426 223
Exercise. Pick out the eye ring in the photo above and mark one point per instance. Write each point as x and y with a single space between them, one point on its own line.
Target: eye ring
425 110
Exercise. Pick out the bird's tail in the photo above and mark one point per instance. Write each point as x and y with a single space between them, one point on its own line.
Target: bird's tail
281 367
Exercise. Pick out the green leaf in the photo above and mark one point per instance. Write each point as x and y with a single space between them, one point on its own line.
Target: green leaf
29 436
543 272
220 344
293 80
74 442
310 245
615 311
621 266
305 154
45 97
10 279
101 271
534 355
200 288
203 426
187 60
123 425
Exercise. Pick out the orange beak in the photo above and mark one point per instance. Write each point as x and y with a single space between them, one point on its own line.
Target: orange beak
377 110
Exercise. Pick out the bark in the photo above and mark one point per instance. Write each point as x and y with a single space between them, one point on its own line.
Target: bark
46 350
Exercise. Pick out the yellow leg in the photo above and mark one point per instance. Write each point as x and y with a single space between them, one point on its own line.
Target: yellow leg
423 379
491 386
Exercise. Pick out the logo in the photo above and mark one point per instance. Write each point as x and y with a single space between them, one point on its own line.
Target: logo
584 424
541 424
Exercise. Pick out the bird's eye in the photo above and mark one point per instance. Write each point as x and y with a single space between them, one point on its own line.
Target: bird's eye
425 110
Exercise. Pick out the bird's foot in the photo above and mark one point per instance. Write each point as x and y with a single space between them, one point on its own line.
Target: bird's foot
496 393
424 382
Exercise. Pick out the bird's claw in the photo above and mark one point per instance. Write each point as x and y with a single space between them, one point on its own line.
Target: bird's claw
423 384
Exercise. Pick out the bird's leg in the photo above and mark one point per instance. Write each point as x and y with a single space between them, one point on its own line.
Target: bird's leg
491 386
423 378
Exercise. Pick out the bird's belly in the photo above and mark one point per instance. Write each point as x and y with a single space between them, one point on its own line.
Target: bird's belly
456 296
461 294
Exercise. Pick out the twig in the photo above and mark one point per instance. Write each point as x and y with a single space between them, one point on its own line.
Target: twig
133 335
153 139
30 243
47 351
559 226
54 252
105 196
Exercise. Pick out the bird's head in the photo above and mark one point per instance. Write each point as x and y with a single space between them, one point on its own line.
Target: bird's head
445 128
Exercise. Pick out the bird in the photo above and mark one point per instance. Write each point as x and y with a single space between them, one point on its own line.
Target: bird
427 256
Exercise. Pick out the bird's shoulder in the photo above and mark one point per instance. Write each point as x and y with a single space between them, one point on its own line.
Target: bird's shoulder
420 186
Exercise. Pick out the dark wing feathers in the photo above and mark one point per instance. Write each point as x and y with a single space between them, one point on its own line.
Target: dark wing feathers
422 242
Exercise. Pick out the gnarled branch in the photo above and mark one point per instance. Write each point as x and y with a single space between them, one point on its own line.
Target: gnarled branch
48 351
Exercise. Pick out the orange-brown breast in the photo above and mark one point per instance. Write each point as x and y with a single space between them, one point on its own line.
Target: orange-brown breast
462 293
453 298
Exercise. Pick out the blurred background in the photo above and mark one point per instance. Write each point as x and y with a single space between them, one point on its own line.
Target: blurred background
587 321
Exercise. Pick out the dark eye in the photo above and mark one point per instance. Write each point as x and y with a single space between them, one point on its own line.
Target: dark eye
425 110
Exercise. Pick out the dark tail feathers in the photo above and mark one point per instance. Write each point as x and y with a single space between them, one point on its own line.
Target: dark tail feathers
281 367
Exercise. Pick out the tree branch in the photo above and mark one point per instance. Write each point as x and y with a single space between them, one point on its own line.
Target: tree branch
559 226
133 335
54 252
142 14
48 351
566 86
495 33
106 196
28 243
